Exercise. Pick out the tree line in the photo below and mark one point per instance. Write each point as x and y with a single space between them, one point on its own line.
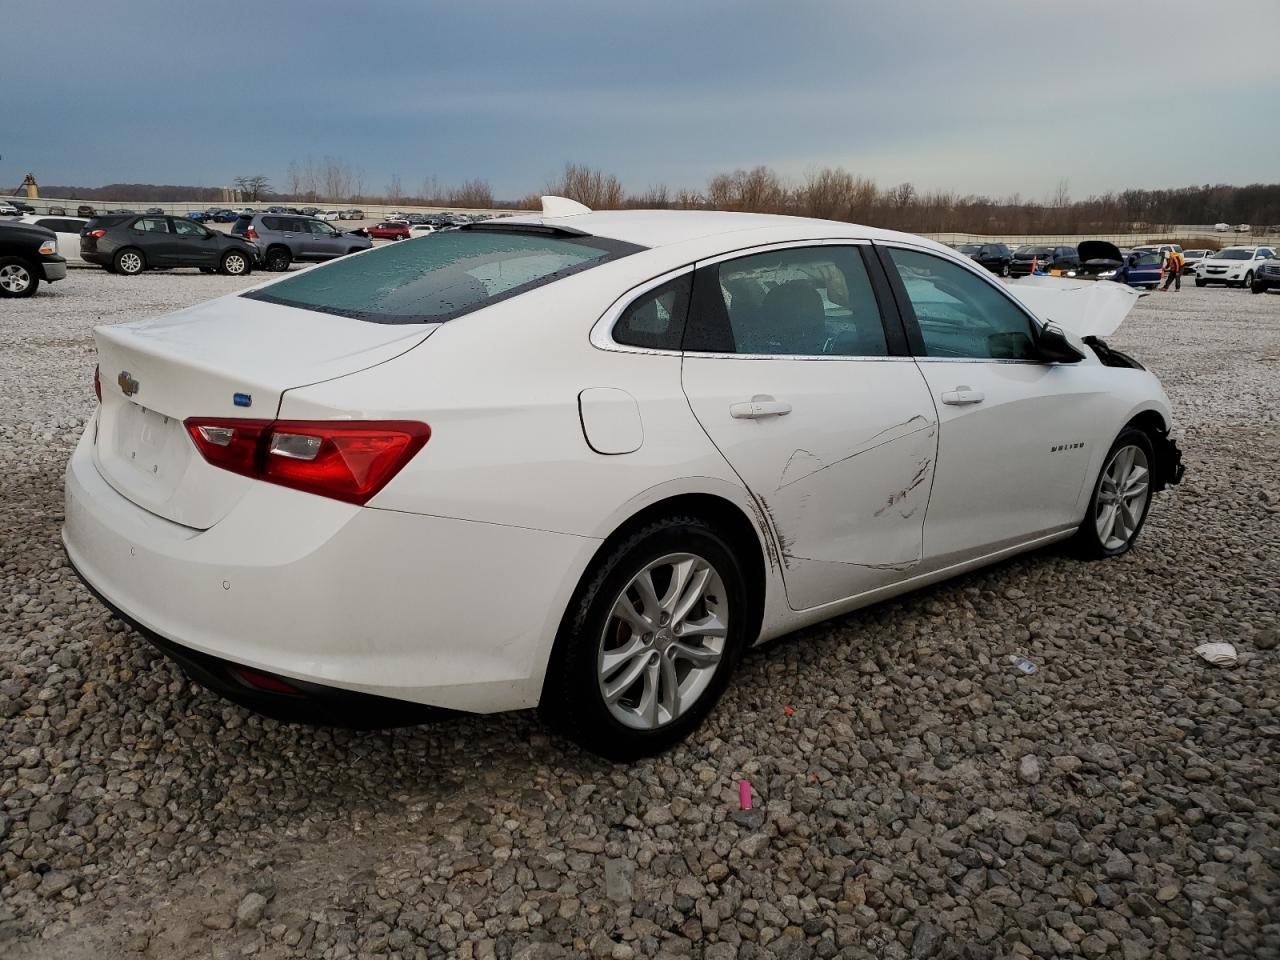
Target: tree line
831 193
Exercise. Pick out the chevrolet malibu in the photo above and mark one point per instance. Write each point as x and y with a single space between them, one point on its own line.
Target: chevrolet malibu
582 461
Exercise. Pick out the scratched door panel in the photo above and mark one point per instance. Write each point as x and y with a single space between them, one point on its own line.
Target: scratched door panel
844 476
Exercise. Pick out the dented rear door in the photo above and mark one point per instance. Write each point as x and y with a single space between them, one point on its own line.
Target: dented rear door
790 370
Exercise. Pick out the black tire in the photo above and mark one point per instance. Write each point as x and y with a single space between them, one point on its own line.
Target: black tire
354 250
18 278
278 259
1248 280
236 263
1258 287
1201 283
129 262
572 701
1087 542
1004 270
208 270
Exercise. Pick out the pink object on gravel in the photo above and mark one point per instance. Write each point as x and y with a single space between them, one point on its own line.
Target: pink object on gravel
744 794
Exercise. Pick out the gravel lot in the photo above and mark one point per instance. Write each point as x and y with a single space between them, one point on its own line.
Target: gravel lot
920 798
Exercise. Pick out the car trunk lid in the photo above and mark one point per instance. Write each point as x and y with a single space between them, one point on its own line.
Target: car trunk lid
195 363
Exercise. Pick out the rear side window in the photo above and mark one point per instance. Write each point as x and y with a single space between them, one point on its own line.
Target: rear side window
152 225
655 320
805 301
442 275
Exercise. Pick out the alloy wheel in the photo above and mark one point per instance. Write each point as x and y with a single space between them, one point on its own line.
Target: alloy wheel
234 264
130 263
1122 497
663 641
14 278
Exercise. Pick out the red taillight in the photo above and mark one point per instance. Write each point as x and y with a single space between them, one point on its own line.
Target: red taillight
347 460
250 233
97 382
97 234
264 681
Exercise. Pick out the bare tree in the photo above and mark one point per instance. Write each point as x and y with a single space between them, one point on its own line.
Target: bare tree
394 193
475 194
336 178
595 188
253 187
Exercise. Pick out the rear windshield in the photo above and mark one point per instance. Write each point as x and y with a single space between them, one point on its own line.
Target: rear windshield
440 276
1029 250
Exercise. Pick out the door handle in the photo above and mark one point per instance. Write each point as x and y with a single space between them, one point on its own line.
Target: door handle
962 396
760 406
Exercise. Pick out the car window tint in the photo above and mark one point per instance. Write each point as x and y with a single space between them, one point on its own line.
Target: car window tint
442 275
187 228
152 225
961 314
319 228
656 319
805 301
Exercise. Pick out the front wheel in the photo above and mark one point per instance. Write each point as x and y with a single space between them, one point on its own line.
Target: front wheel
1004 270
1201 283
650 640
17 278
235 264
278 259
1248 279
1121 498
1258 287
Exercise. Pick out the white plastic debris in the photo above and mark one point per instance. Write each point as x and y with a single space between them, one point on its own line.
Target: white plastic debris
1023 664
1219 654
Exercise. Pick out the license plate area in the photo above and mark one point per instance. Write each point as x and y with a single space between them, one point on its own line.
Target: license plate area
151 448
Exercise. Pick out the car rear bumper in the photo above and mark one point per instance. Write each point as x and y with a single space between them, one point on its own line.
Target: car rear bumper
449 613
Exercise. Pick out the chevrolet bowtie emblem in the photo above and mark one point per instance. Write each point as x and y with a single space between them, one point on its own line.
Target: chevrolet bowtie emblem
128 385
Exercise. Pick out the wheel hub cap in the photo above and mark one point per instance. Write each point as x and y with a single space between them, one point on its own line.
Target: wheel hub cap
1122 496
663 641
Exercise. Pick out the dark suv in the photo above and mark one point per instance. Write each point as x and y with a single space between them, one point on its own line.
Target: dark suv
996 257
130 244
28 254
1045 258
283 238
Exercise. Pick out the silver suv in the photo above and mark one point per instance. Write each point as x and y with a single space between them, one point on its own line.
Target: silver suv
284 238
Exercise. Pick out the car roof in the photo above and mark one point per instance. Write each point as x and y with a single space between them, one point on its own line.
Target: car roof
660 228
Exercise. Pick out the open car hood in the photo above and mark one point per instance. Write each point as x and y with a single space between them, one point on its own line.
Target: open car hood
1098 250
1086 308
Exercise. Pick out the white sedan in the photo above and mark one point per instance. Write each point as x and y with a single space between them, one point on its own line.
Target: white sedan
68 231
582 461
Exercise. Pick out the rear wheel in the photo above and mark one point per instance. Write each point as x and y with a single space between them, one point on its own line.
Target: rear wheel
1201 283
1258 287
130 262
1121 497
278 259
650 640
235 263
1004 269
18 278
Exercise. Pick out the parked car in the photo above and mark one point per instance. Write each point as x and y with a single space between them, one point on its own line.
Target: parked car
159 211
66 229
1243 228
131 244
225 216
28 254
1193 258
84 210
56 211
20 205
1103 260
1222 227
996 257
1233 266
8 209
423 228
390 230
1044 257
403 446
199 216
284 239
310 211
1266 276
328 216
352 215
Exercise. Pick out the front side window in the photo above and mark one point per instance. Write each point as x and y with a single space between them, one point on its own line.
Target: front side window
655 320
320 229
804 301
442 275
960 314
152 225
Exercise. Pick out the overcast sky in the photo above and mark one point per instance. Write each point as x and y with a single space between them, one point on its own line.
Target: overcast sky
981 96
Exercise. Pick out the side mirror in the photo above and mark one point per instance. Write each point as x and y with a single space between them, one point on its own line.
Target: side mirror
1052 346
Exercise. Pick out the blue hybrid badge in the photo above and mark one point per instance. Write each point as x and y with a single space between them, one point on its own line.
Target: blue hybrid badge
243 400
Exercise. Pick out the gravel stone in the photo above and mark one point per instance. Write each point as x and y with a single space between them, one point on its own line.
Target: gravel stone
919 799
